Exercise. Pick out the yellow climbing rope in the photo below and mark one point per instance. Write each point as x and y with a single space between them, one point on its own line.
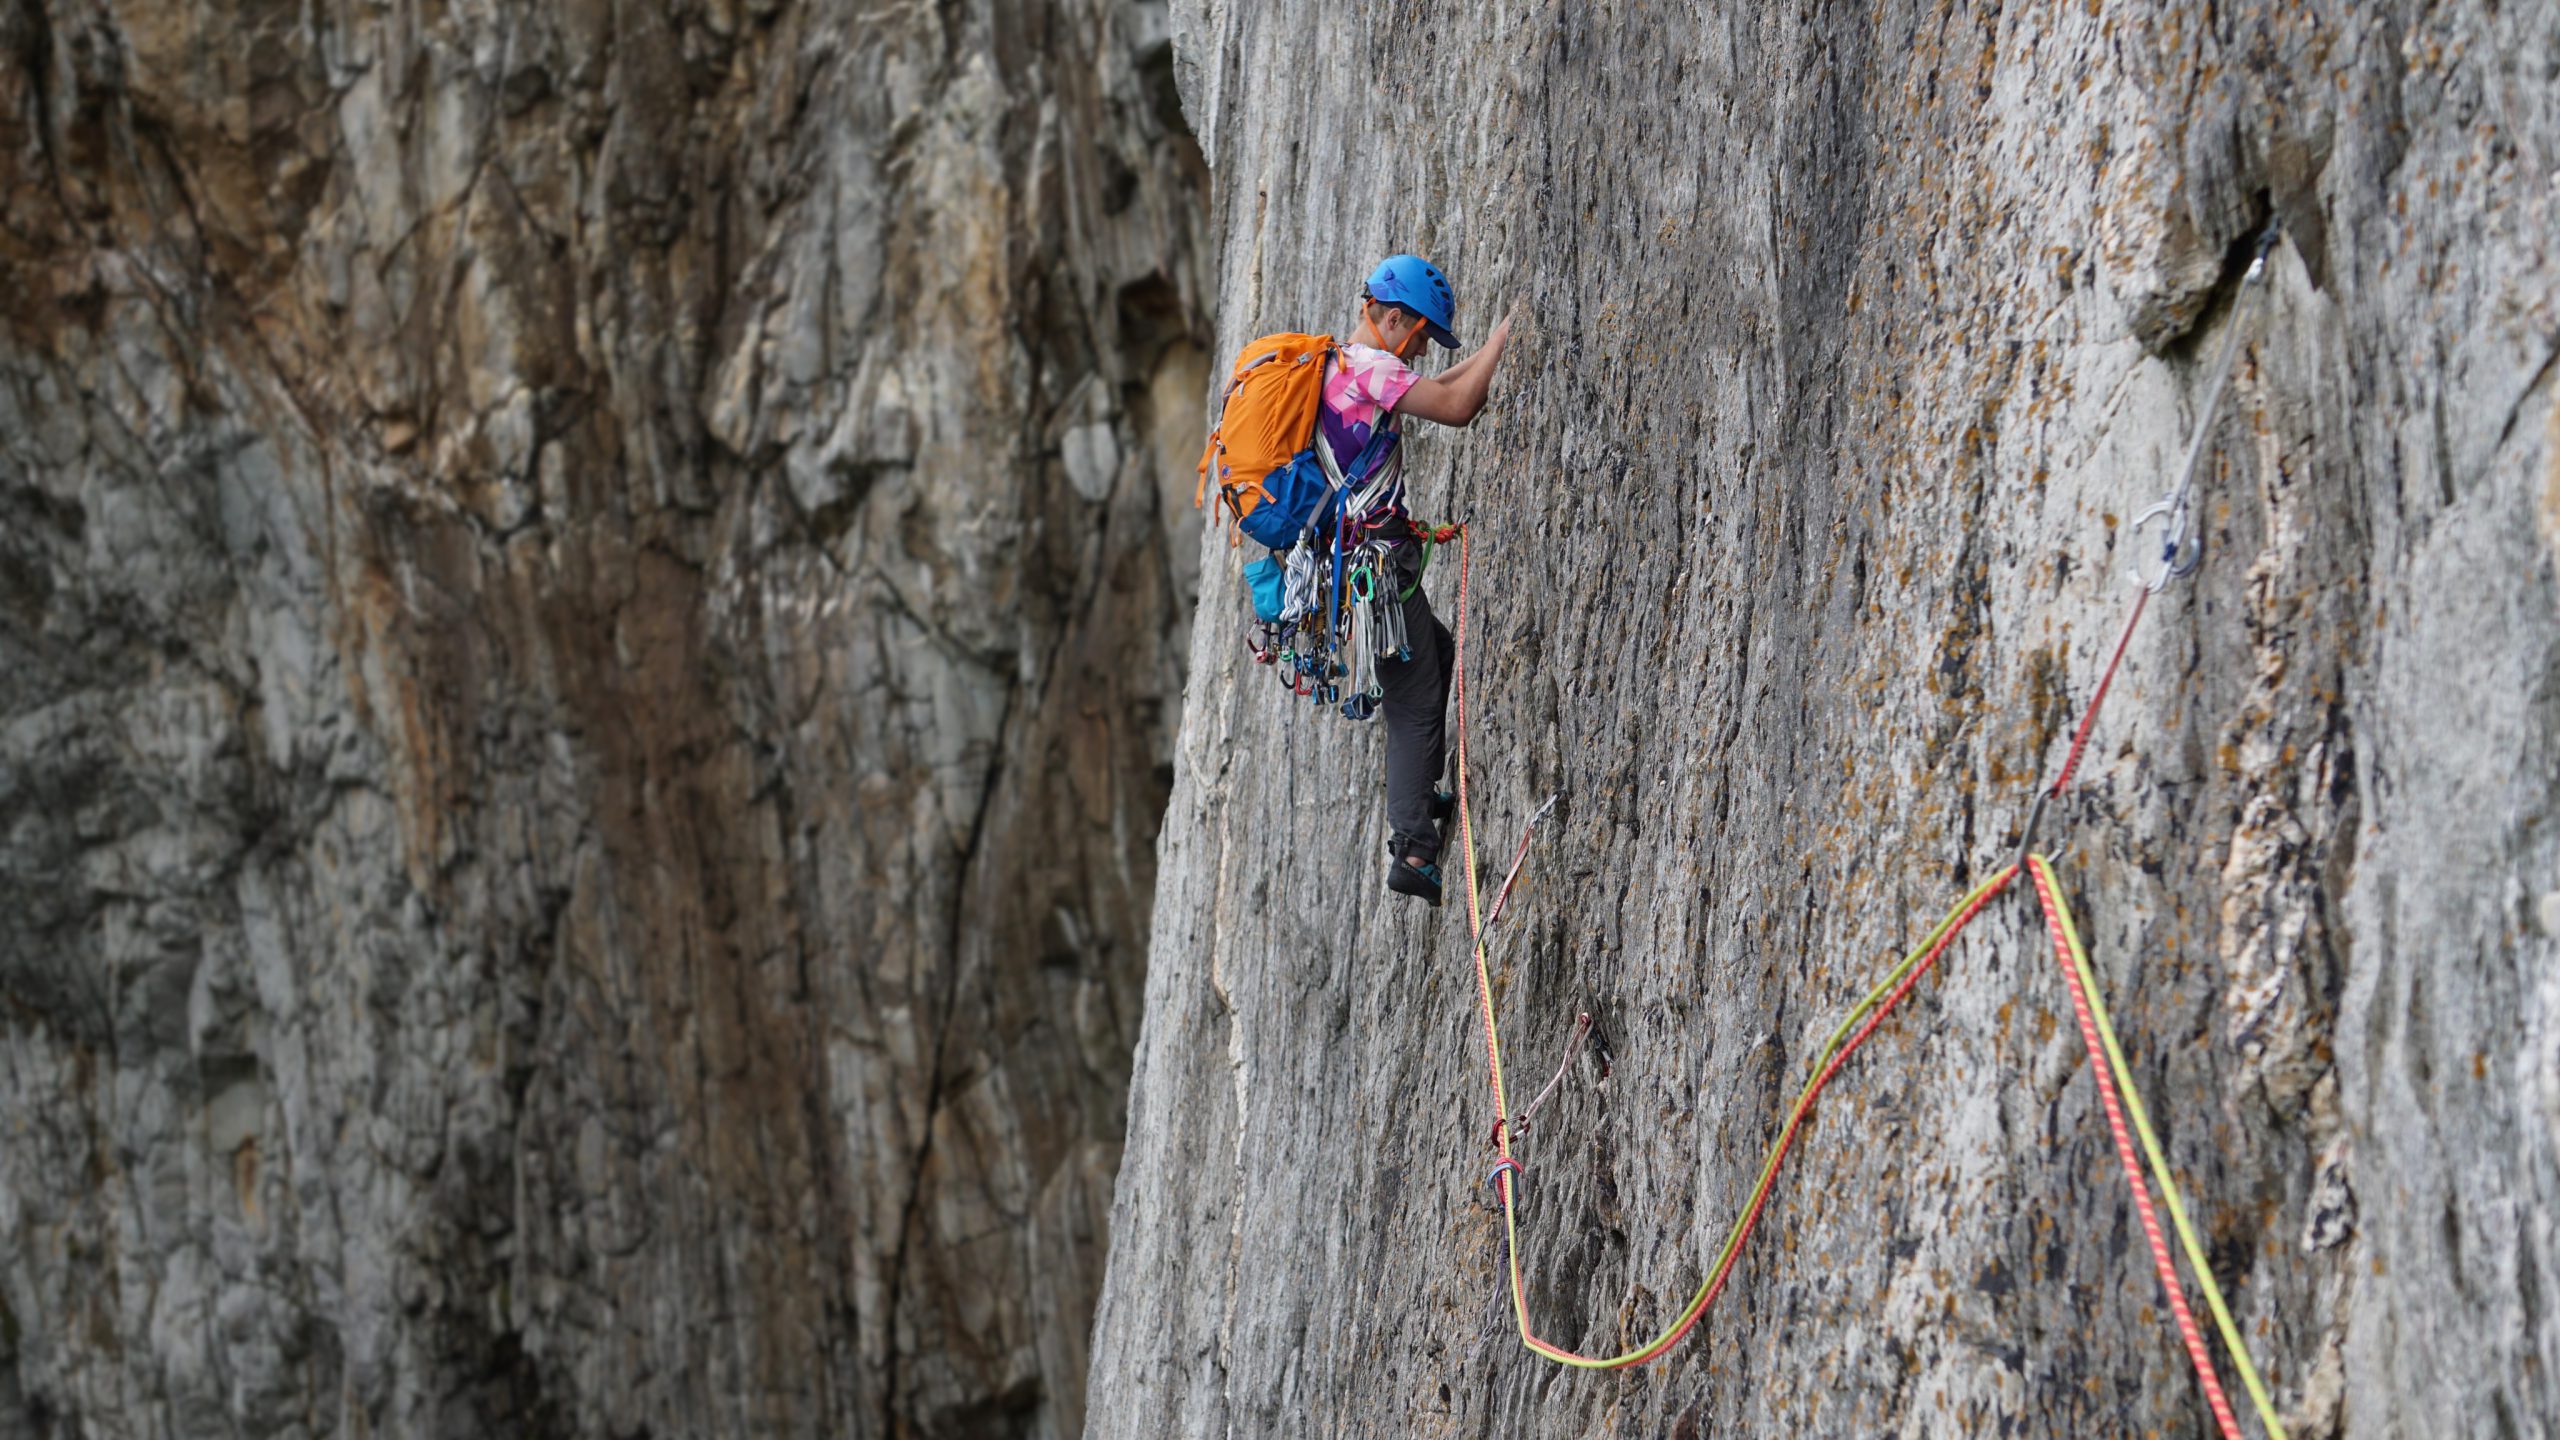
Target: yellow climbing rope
1844 1040
2232 1344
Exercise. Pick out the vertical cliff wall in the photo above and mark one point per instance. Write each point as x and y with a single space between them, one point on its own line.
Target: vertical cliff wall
590 638
1860 336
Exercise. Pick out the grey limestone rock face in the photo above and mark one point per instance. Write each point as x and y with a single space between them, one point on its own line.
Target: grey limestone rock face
1858 339
591 599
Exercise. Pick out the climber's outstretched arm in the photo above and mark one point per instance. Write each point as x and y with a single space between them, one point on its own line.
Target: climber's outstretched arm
1456 397
1464 367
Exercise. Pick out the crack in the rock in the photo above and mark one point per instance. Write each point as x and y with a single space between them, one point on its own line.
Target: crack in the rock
956 931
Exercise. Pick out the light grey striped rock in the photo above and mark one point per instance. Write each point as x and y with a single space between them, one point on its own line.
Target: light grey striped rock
577 787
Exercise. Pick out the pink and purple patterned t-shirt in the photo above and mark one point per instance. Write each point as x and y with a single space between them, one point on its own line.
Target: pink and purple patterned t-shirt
1361 392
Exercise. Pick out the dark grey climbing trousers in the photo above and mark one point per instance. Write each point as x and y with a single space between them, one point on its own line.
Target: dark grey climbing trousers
1415 711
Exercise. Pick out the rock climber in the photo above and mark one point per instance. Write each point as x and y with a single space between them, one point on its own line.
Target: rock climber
1406 300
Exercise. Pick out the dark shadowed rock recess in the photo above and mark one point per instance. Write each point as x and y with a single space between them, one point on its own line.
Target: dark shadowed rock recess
591 597
1861 335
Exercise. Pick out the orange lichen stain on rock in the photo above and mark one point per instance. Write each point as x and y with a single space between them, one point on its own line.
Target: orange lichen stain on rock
378 628
2550 508
244 1176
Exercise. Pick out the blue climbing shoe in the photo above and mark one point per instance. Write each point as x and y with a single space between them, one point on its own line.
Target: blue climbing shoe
1420 881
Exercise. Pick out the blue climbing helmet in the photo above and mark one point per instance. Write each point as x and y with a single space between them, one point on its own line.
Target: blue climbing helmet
1412 283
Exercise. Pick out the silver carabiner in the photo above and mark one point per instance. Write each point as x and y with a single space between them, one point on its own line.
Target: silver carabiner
2179 551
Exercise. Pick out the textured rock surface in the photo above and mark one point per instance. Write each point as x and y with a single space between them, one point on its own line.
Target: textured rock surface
585 598
1861 335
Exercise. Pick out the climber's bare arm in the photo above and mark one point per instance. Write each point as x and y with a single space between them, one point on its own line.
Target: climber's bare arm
1457 396
1462 368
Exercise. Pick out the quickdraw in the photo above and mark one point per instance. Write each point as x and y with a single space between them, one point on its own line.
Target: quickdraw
2179 551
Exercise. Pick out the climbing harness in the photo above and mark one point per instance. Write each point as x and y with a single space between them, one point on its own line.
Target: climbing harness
2127 1118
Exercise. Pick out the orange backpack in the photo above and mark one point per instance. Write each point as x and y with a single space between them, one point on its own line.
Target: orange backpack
1267 419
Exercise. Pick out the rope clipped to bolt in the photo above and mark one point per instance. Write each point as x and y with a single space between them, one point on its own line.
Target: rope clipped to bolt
2180 550
2119 1098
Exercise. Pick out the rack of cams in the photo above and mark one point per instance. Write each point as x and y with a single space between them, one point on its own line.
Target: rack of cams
1335 664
